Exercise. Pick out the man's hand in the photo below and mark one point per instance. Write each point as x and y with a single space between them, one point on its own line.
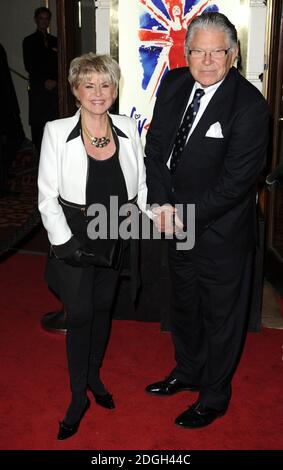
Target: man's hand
166 219
50 84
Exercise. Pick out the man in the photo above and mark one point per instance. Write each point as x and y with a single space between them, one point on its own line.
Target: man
41 62
12 134
211 161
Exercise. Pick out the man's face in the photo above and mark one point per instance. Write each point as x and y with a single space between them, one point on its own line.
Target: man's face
42 21
206 69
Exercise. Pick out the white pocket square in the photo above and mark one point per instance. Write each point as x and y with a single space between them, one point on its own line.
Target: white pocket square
215 131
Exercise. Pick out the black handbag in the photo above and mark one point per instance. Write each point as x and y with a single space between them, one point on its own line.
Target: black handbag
106 252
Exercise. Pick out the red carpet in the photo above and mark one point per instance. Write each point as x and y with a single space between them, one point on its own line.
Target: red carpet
34 389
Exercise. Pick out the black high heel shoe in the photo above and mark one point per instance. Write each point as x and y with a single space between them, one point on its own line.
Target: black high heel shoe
105 400
68 430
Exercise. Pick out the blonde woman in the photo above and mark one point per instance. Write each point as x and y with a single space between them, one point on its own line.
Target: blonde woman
85 159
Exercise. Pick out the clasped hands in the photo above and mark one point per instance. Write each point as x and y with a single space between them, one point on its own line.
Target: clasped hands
166 220
50 84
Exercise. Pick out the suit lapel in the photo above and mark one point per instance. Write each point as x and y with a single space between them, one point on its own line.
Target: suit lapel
180 97
221 99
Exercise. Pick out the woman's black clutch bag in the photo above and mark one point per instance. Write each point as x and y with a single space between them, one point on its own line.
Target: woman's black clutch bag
98 252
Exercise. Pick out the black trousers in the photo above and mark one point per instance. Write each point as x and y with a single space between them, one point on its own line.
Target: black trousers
11 138
36 136
87 295
43 107
210 305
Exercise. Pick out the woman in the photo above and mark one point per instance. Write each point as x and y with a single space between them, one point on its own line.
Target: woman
85 159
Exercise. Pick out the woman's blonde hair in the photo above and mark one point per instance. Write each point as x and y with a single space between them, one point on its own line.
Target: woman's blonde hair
82 67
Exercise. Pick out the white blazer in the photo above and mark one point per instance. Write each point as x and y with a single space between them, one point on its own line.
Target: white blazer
63 169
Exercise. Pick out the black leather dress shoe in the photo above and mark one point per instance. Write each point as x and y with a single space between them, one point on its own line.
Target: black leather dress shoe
198 416
105 400
68 430
169 386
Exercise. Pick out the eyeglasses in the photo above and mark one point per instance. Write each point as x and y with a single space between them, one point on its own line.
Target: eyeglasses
217 54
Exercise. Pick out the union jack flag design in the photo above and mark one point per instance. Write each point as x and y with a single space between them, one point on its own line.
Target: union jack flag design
162 32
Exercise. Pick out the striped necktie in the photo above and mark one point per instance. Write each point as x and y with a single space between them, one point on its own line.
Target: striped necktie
184 129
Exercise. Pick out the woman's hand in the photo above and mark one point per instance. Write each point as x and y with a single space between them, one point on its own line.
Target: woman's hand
81 258
78 259
166 219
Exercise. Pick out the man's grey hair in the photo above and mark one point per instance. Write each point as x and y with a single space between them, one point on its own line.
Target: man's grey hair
212 20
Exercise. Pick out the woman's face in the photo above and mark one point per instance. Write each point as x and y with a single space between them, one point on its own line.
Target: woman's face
96 94
176 11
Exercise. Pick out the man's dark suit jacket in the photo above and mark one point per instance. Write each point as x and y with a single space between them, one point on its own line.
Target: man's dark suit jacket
41 63
218 175
11 129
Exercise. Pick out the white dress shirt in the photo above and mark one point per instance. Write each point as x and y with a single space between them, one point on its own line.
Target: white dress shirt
208 94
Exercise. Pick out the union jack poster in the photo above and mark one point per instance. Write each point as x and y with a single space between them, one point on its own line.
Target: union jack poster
151 42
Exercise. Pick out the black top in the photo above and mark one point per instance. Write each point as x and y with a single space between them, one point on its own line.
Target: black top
105 179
